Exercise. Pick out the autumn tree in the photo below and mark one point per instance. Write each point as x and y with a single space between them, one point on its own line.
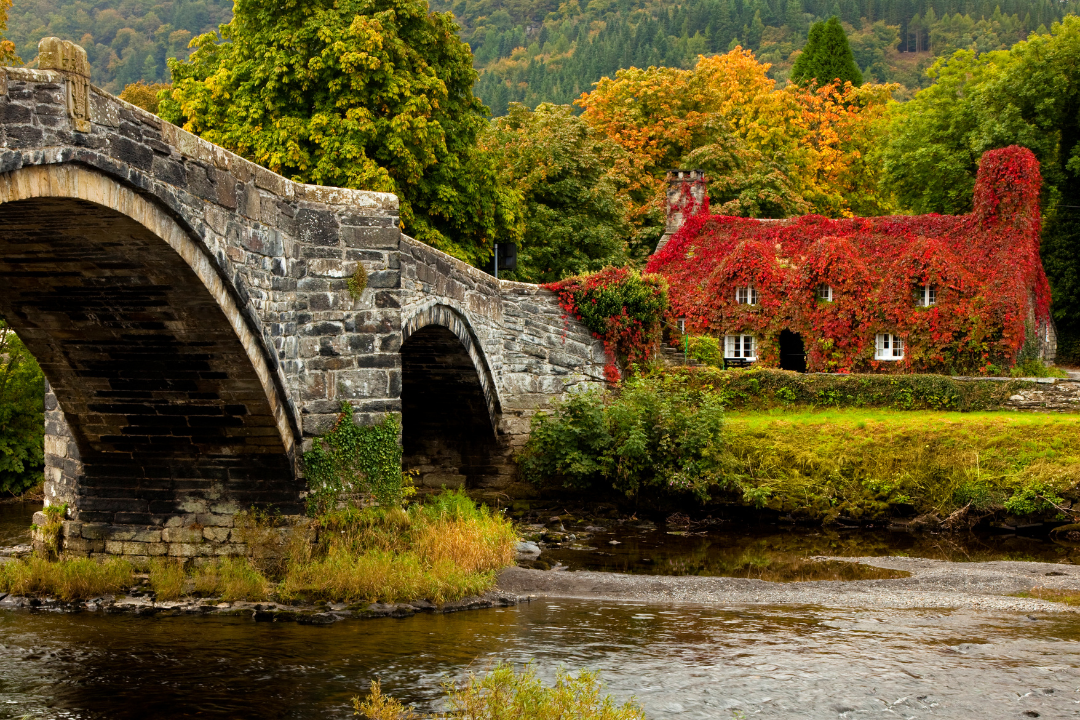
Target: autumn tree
368 94
145 95
574 217
770 152
827 57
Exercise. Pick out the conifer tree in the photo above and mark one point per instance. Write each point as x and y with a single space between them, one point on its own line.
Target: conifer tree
826 57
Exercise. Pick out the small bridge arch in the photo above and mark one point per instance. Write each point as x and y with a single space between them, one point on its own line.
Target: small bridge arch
450 409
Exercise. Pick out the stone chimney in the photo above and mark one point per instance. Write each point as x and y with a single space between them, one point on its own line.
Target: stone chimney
685 192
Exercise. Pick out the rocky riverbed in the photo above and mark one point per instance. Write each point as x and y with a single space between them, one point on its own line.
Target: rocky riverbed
930 584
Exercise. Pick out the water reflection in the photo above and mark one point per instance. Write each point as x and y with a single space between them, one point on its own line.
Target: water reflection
688 662
776 553
15 521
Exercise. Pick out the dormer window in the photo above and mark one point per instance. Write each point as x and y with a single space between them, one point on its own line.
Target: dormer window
740 347
888 347
926 295
746 295
824 292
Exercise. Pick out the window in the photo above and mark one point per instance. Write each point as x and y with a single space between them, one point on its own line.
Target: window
824 292
926 295
888 347
740 347
681 322
747 295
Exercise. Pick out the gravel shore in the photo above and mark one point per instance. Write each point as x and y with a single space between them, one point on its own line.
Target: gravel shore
932 584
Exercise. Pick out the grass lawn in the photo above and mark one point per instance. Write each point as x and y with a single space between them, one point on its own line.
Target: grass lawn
860 463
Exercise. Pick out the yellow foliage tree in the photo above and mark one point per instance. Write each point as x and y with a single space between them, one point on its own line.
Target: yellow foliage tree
769 151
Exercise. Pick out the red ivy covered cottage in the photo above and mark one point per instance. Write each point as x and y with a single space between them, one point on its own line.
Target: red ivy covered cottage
923 293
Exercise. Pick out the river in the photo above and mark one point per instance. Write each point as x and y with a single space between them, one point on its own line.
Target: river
684 661
679 661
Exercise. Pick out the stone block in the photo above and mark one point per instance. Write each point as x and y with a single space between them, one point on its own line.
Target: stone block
216 534
443 479
181 535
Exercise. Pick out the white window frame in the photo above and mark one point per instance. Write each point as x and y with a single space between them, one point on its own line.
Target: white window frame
825 292
888 347
746 295
737 346
681 323
927 295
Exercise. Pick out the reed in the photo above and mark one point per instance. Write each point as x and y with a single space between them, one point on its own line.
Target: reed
74 579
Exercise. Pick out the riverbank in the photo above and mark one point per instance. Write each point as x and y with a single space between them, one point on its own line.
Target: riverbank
932 584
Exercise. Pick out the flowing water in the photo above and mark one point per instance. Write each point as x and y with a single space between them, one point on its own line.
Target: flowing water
679 661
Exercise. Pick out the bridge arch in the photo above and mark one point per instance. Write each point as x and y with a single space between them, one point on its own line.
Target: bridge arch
449 400
167 389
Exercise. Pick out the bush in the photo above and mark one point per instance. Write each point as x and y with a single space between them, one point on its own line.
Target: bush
507 695
656 434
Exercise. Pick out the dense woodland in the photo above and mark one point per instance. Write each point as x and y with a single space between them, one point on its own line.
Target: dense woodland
125 40
545 51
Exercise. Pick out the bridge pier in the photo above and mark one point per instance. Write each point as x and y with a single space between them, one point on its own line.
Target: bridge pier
192 314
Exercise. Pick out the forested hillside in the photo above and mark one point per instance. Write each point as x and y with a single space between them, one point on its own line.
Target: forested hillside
125 40
542 50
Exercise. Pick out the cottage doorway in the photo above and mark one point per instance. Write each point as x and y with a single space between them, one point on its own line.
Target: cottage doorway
792 352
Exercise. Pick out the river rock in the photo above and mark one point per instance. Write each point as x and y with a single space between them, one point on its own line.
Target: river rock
526 547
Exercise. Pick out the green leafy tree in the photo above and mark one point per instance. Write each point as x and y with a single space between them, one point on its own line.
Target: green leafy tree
575 220
826 57
22 420
369 94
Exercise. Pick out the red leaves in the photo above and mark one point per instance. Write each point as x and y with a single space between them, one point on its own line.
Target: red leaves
984 267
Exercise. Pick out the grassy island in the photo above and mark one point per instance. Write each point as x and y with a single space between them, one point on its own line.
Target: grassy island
440 550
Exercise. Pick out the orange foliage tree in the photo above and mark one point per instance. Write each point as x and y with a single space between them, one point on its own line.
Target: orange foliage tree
768 151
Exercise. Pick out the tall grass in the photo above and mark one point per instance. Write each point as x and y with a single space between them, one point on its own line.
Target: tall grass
442 550
504 694
76 579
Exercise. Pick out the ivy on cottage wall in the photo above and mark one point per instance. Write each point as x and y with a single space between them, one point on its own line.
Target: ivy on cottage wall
985 267
622 307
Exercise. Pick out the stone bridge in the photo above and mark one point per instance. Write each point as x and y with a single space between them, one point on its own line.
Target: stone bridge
192 314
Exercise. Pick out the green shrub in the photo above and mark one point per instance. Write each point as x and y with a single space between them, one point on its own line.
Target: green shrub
705 349
655 433
22 415
507 695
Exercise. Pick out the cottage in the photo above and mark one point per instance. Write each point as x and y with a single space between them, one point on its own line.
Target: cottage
929 293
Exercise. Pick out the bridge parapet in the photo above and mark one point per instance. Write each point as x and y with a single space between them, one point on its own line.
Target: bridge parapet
191 311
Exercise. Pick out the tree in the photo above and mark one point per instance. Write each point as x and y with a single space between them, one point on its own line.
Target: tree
771 152
368 94
827 57
144 95
22 421
575 219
